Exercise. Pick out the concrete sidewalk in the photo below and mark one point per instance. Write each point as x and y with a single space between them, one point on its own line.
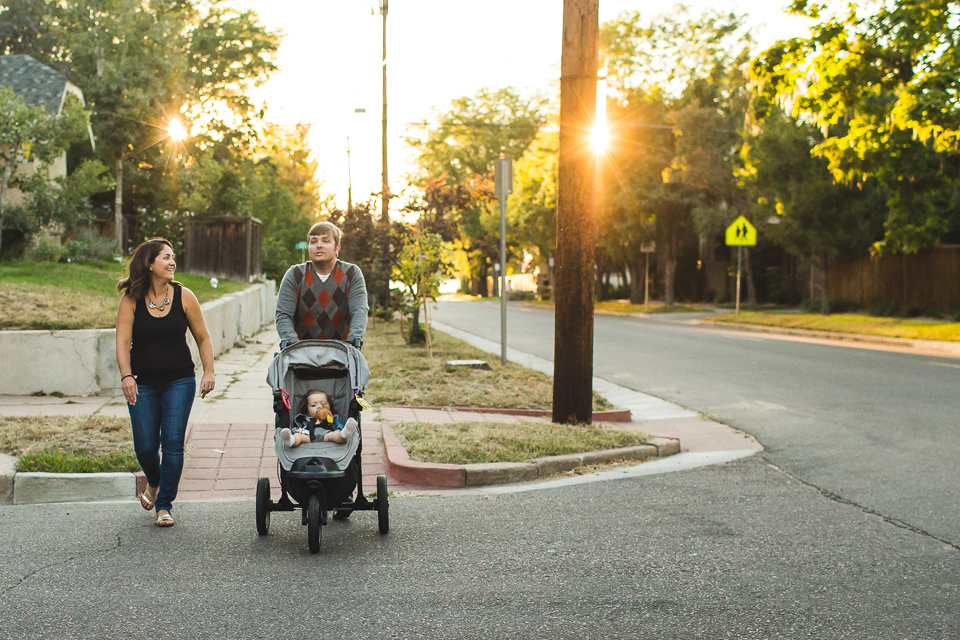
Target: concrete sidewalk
230 438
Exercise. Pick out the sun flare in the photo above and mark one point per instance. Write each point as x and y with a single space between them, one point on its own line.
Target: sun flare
600 136
177 130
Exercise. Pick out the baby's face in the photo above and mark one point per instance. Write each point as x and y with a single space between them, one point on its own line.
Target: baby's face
316 402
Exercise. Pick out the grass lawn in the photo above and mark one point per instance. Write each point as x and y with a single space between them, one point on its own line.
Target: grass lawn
624 306
404 375
69 444
473 442
917 329
79 295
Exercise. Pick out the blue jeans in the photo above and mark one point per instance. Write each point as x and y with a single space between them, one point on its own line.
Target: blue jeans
159 422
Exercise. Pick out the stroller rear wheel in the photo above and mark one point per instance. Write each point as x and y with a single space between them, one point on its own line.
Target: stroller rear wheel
314 533
383 508
263 506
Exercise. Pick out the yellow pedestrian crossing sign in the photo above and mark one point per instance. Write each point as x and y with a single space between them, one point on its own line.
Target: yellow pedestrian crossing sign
741 233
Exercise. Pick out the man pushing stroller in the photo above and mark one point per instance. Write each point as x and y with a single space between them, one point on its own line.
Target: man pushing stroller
323 298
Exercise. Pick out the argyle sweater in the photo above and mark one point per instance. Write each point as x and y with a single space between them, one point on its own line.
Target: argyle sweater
309 308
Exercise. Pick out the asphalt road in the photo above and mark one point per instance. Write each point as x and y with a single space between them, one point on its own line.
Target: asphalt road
733 551
752 549
878 429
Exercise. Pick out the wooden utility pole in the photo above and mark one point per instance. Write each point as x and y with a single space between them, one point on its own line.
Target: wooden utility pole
385 190
349 180
384 276
576 215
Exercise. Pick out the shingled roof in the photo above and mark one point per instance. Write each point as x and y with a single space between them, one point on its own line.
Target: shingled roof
35 81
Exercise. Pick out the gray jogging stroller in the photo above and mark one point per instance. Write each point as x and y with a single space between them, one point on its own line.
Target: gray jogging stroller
318 477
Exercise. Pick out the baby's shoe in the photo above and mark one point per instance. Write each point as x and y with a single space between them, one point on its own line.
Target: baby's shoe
286 437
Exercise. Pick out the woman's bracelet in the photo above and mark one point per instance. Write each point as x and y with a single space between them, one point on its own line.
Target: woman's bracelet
129 375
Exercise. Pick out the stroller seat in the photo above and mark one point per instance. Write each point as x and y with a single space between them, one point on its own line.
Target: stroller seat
341 454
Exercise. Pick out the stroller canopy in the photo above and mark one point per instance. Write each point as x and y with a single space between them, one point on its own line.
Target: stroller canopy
318 354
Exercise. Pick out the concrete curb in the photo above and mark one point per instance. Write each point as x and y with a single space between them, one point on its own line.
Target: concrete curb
611 415
951 348
8 469
38 488
456 476
41 487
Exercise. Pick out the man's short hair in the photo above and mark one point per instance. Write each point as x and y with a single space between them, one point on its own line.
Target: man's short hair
326 226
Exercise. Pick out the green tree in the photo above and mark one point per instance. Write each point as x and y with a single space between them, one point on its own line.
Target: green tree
23 28
31 133
421 265
141 64
810 214
883 80
67 199
123 56
532 207
641 149
678 89
460 150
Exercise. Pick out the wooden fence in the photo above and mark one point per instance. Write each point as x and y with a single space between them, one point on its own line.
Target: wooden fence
222 247
929 278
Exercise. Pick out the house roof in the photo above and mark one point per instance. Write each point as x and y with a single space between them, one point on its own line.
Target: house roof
35 81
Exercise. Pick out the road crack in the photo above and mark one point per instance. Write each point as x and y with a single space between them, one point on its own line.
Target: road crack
23 579
873 512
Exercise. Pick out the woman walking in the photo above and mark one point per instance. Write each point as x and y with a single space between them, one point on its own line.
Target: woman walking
157 370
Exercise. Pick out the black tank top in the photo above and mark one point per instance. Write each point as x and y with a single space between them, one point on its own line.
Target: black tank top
159 353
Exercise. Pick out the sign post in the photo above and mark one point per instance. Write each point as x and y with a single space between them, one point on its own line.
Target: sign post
503 186
647 248
302 246
740 234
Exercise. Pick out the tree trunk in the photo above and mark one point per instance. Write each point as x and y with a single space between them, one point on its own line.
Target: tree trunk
416 335
118 205
751 289
7 172
604 285
670 270
824 293
426 326
482 289
636 282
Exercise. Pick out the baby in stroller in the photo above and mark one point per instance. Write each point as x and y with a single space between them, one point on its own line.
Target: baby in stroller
316 416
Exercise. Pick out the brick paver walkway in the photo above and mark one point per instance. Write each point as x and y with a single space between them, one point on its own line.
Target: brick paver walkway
224 461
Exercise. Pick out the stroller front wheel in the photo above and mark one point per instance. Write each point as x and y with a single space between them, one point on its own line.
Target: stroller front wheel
314 533
263 506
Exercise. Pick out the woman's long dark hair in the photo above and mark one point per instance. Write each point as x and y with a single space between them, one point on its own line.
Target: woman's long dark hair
137 281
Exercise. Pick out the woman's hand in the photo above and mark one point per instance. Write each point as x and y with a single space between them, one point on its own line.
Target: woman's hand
206 384
129 387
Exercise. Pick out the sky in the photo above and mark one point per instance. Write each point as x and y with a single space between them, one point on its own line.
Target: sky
437 50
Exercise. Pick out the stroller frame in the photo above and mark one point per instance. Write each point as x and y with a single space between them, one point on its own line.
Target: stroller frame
314 483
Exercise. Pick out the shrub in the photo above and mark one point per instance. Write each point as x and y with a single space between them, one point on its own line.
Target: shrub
883 309
521 295
87 243
45 251
891 310
834 306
